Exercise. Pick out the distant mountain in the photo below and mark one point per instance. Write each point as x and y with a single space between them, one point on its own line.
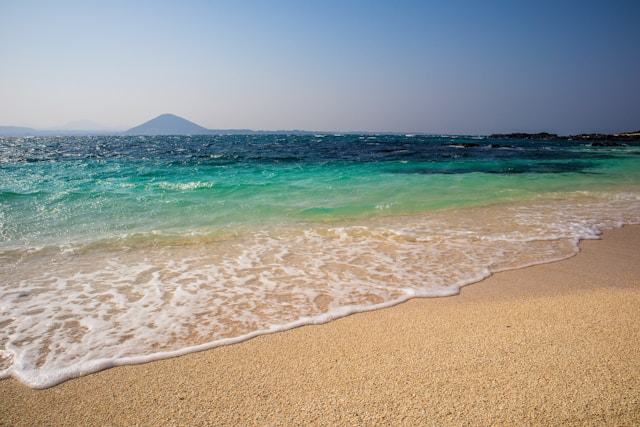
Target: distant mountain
165 124
168 124
16 131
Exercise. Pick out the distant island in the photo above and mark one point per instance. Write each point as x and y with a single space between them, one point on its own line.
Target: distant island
170 124
164 124
17 131
591 137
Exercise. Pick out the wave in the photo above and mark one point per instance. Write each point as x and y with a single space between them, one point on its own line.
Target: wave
195 185
149 296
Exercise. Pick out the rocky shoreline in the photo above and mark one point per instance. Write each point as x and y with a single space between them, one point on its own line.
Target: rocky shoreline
594 138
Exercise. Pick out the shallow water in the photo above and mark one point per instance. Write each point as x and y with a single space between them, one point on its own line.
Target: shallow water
117 250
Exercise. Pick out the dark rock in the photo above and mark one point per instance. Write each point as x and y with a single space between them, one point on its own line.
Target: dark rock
601 138
540 135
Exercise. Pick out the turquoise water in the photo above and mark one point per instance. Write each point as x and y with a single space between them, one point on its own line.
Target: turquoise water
119 250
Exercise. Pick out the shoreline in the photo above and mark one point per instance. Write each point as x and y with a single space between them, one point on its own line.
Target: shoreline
554 343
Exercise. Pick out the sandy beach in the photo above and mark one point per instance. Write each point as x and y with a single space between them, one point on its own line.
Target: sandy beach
554 344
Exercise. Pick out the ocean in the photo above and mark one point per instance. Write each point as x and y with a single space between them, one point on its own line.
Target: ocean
118 250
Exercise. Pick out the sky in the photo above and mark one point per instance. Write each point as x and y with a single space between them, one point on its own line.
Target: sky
444 67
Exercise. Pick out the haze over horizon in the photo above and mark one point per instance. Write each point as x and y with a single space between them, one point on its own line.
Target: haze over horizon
408 66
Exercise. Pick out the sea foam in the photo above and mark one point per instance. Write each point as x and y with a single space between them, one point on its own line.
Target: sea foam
66 314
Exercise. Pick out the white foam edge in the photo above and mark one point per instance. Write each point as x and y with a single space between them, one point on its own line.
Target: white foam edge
36 380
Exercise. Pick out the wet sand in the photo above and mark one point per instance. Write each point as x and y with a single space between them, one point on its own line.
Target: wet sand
555 344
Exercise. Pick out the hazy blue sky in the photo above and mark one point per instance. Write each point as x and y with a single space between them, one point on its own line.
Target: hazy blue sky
465 67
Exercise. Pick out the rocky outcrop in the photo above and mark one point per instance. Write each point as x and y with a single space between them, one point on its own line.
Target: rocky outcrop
519 135
596 139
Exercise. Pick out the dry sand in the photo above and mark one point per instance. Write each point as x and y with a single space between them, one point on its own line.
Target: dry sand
556 344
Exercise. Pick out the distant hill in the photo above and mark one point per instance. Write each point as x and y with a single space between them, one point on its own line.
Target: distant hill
168 124
165 124
16 131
